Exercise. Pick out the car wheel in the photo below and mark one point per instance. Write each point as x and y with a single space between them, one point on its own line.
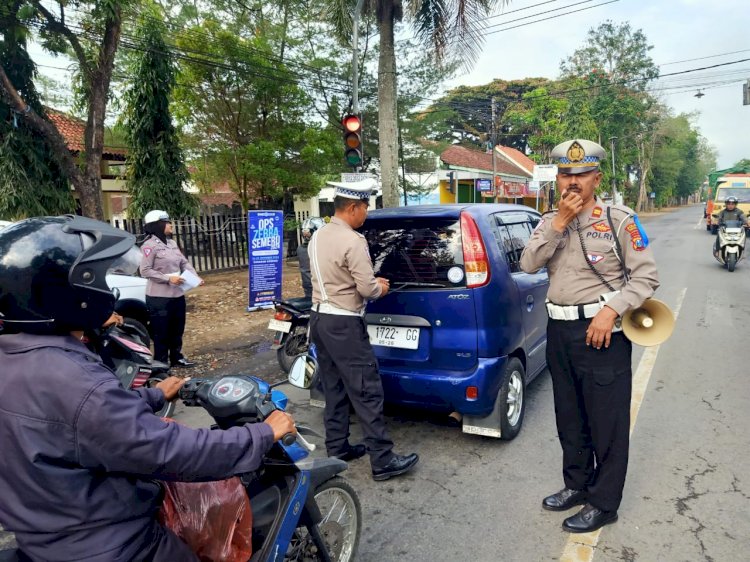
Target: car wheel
512 399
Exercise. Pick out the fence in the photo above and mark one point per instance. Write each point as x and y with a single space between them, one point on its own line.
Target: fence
210 242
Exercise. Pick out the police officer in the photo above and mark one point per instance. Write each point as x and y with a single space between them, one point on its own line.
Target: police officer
309 226
343 281
162 265
80 454
599 267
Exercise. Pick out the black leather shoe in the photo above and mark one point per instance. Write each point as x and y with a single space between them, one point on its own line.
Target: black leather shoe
352 453
564 500
589 519
398 465
183 363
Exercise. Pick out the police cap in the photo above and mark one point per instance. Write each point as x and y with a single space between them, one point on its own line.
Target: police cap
578 156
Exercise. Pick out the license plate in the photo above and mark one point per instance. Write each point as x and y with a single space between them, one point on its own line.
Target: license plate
279 326
394 336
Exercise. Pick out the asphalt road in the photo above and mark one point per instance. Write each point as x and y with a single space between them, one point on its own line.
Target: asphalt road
687 497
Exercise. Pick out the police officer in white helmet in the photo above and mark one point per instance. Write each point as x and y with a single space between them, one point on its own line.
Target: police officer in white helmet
162 263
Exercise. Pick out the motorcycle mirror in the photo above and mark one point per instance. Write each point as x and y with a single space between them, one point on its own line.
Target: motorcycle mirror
303 371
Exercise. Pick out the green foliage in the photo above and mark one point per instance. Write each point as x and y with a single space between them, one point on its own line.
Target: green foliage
31 182
156 167
248 120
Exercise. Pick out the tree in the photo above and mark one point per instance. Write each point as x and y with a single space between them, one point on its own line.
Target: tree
94 49
442 27
614 68
156 167
247 117
31 183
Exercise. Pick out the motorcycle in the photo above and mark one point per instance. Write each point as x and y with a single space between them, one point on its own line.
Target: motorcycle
290 324
303 511
124 349
730 245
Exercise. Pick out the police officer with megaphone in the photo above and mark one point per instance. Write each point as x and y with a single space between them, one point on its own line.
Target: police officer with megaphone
600 267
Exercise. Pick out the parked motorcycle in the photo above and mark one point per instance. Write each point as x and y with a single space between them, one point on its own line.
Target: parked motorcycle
302 510
290 326
730 246
124 349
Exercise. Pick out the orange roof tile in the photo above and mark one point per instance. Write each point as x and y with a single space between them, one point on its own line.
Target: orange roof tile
73 130
469 158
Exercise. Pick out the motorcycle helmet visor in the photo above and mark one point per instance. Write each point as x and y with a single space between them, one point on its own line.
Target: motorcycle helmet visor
127 264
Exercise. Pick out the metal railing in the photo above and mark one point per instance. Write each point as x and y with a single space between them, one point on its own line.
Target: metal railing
210 242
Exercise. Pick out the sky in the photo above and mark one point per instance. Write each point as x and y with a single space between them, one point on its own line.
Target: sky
677 29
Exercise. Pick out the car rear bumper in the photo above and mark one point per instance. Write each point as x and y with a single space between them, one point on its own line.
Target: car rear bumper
446 390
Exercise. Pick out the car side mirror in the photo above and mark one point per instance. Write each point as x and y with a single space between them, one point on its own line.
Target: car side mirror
303 372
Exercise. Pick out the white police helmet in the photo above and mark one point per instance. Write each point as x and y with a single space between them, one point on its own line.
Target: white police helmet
155 216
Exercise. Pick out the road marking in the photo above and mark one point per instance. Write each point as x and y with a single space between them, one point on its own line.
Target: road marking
581 547
699 225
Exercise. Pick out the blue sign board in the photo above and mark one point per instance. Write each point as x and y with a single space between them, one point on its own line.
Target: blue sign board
266 259
484 184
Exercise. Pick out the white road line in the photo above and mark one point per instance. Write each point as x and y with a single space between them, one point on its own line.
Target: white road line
581 548
699 225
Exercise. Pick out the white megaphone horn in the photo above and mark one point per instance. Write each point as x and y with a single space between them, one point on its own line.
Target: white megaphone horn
650 324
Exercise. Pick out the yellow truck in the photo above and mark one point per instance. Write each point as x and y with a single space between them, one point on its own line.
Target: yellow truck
737 185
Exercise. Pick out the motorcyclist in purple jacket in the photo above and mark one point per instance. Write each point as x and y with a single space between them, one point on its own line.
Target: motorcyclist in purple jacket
81 455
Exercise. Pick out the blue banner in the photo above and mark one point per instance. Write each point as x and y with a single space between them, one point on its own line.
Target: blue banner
483 184
265 257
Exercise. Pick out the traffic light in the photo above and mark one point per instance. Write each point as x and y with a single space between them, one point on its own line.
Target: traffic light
352 140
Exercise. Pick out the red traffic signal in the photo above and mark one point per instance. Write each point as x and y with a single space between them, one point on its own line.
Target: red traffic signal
352 139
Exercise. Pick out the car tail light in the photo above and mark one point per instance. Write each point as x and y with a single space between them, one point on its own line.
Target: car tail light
282 315
476 264
472 393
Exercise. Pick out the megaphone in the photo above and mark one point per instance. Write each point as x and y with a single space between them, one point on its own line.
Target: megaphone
650 324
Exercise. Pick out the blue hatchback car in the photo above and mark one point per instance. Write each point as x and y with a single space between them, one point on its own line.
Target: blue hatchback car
463 328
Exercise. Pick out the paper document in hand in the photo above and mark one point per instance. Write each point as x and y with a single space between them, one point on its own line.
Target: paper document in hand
191 280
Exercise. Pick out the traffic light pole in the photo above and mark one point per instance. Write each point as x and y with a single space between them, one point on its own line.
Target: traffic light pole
355 57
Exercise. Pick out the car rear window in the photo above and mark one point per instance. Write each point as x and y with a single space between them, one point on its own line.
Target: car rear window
423 254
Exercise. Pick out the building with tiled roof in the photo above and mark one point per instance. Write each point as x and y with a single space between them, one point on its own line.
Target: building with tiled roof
467 176
114 191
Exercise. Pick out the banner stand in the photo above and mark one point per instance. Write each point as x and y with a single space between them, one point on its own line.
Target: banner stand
265 235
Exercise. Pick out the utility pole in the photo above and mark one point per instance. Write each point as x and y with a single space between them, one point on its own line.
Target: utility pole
614 180
492 142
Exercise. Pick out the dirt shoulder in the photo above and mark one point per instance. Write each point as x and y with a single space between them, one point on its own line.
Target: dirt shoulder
220 333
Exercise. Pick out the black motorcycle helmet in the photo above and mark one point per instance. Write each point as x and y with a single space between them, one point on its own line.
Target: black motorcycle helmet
730 199
53 273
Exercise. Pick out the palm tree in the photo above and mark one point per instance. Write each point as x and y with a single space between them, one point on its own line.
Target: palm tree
447 27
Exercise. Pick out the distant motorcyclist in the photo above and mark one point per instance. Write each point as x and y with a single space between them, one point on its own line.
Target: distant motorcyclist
731 212
309 226
81 455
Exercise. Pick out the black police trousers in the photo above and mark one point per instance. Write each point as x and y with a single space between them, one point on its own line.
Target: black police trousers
592 408
349 374
167 327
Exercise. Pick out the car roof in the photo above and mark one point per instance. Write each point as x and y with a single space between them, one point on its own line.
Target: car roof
451 210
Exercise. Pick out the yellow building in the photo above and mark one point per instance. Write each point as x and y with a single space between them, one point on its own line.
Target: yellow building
465 169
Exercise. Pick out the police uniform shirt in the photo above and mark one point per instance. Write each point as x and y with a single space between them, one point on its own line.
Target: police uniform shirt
342 273
159 262
572 281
